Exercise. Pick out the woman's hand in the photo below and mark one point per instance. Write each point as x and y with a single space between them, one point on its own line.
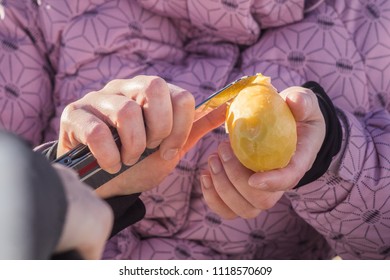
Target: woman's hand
152 170
147 112
232 190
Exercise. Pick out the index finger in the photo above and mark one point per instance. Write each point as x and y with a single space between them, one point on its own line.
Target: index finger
86 128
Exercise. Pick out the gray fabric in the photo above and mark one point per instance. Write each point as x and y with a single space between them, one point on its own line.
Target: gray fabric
32 202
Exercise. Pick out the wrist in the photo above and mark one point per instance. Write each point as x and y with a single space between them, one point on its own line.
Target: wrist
333 136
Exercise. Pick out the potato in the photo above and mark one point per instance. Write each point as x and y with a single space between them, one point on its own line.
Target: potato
261 127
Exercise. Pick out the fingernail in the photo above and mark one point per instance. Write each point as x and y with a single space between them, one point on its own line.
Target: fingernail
170 154
306 100
206 181
113 170
131 161
225 151
258 185
215 164
154 144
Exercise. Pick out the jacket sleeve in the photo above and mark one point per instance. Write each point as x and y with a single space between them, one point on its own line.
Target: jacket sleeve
33 203
127 209
349 203
26 73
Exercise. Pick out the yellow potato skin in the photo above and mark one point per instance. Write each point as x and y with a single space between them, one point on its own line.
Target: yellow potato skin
261 127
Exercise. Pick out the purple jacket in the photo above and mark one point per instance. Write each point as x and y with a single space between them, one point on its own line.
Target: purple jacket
54 52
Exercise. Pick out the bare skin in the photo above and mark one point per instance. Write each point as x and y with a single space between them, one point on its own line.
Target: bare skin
147 112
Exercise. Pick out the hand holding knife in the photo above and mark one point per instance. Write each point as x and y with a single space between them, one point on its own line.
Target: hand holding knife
84 163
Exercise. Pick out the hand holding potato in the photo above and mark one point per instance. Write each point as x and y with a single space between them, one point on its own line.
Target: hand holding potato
231 189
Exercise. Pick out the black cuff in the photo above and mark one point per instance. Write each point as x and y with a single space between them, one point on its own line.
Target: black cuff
333 136
128 210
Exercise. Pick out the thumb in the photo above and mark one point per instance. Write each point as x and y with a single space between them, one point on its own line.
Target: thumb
303 104
204 125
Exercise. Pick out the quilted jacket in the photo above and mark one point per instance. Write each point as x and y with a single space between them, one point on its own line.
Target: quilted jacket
54 52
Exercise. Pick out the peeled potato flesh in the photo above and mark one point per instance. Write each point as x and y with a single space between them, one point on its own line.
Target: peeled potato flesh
261 127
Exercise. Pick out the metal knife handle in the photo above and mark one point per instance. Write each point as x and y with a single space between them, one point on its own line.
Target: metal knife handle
85 164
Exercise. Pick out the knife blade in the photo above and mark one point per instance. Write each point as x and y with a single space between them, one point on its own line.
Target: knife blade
221 97
85 164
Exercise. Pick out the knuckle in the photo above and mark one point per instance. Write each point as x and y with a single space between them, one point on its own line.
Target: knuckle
129 110
66 113
156 87
294 181
184 99
88 96
96 131
298 170
113 84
